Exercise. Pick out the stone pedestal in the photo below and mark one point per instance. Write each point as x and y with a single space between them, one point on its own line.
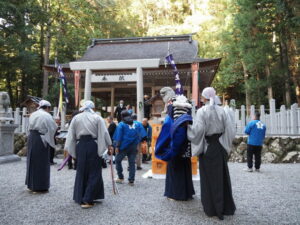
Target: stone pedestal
7 143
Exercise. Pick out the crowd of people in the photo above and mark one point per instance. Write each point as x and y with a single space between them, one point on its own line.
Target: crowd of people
208 135
87 140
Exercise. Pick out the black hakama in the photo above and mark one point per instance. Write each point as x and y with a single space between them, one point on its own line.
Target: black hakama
216 192
38 165
88 182
179 183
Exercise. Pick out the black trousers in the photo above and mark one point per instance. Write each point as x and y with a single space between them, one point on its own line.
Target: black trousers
256 151
52 153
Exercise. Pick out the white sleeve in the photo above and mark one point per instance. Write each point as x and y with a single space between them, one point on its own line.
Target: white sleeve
51 127
229 133
103 138
70 144
196 134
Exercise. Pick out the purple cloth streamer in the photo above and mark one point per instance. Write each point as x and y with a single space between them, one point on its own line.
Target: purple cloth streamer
64 162
178 86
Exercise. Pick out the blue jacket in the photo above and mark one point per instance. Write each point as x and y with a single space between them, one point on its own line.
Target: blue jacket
141 130
172 139
126 135
256 131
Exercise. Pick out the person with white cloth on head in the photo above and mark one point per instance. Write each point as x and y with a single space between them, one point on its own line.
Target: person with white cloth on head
211 136
86 141
42 128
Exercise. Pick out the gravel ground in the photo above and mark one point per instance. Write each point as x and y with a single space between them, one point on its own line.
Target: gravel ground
269 197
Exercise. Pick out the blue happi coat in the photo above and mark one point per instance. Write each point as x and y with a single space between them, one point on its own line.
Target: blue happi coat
172 139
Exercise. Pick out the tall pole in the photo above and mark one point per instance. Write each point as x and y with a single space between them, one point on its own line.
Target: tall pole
87 85
112 101
140 93
195 87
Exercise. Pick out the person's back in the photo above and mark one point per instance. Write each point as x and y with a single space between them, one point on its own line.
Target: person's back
86 141
42 129
211 136
111 127
126 139
126 134
214 121
257 132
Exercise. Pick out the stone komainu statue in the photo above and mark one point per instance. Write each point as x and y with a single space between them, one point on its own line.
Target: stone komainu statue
4 102
167 94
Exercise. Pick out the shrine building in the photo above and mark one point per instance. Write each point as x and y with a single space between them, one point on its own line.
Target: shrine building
128 68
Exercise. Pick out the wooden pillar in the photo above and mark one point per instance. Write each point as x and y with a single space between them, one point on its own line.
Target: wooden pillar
112 101
189 92
81 92
140 94
17 119
294 118
24 120
152 91
195 87
273 127
87 85
243 116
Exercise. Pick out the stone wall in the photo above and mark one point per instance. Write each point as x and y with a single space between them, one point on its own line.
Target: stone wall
281 149
20 142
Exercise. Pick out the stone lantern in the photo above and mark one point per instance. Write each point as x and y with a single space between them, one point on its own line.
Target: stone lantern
7 128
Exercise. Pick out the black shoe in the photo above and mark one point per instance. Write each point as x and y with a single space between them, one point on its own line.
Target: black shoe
52 163
139 168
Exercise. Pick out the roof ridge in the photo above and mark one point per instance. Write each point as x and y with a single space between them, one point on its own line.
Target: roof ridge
187 37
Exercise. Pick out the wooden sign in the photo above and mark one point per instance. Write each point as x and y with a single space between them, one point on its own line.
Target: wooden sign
113 78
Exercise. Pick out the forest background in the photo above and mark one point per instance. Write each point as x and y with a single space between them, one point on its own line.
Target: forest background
258 40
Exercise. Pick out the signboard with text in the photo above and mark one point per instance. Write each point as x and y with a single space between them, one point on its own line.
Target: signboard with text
113 78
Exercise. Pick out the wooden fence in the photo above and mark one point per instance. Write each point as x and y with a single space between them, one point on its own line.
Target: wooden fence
279 122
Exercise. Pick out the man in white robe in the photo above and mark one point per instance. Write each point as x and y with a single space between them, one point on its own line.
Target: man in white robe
42 128
211 137
87 140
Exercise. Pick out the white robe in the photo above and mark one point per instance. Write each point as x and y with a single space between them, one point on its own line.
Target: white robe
211 120
43 122
87 123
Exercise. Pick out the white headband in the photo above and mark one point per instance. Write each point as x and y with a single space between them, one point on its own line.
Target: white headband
44 103
87 106
210 93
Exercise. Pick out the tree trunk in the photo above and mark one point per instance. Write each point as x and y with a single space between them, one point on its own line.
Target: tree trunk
286 72
41 58
46 61
294 58
270 89
246 76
